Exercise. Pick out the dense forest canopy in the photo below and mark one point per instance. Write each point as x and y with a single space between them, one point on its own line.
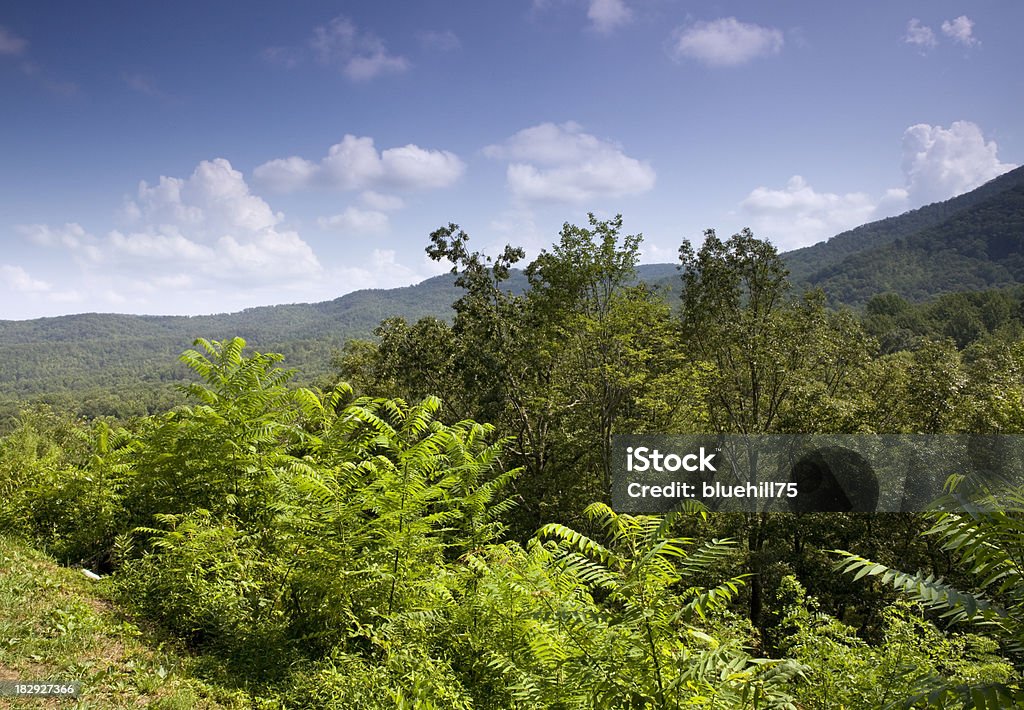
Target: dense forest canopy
428 525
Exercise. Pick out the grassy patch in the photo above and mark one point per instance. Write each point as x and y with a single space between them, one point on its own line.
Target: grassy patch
56 625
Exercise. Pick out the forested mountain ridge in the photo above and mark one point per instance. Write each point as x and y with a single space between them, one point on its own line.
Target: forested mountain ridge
970 242
83 359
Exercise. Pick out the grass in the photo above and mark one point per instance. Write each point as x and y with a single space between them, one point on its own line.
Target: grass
57 625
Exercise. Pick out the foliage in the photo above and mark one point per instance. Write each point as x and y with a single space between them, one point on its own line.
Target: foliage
912 658
584 352
312 539
773 358
621 624
374 545
985 535
57 625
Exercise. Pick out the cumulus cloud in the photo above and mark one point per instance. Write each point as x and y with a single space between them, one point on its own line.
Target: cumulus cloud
208 225
287 57
725 42
17 279
798 214
200 244
960 30
384 271
919 35
356 221
606 15
561 163
143 84
340 44
355 164
360 55
11 43
940 163
71 235
651 253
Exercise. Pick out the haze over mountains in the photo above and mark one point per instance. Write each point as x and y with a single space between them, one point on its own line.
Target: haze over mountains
971 242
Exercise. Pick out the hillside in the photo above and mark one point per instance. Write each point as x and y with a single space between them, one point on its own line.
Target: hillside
105 363
82 360
968 243
58 626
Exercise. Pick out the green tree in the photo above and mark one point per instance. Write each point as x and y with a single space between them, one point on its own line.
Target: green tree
584 353
775 363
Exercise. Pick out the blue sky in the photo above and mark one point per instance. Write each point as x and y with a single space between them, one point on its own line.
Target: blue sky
204 157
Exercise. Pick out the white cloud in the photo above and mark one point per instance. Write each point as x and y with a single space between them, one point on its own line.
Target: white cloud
413 167
213 201
797 214
167 247
960 30
516 226
70 235
940 163
606 15
287 57
441 41
651 253
208 225
561 163
360 55
355 164
200 244
17 279
919 35
284 174
11 43
356 221
725 42
143 84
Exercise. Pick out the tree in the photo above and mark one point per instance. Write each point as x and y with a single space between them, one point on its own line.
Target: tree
771 358
738 316
566 365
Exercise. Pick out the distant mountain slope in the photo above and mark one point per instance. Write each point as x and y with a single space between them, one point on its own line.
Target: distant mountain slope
970 242
100 363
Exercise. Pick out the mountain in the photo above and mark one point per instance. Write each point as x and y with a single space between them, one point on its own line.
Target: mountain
968 243
105 363
124 364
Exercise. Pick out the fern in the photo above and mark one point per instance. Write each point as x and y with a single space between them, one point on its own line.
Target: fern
988 542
